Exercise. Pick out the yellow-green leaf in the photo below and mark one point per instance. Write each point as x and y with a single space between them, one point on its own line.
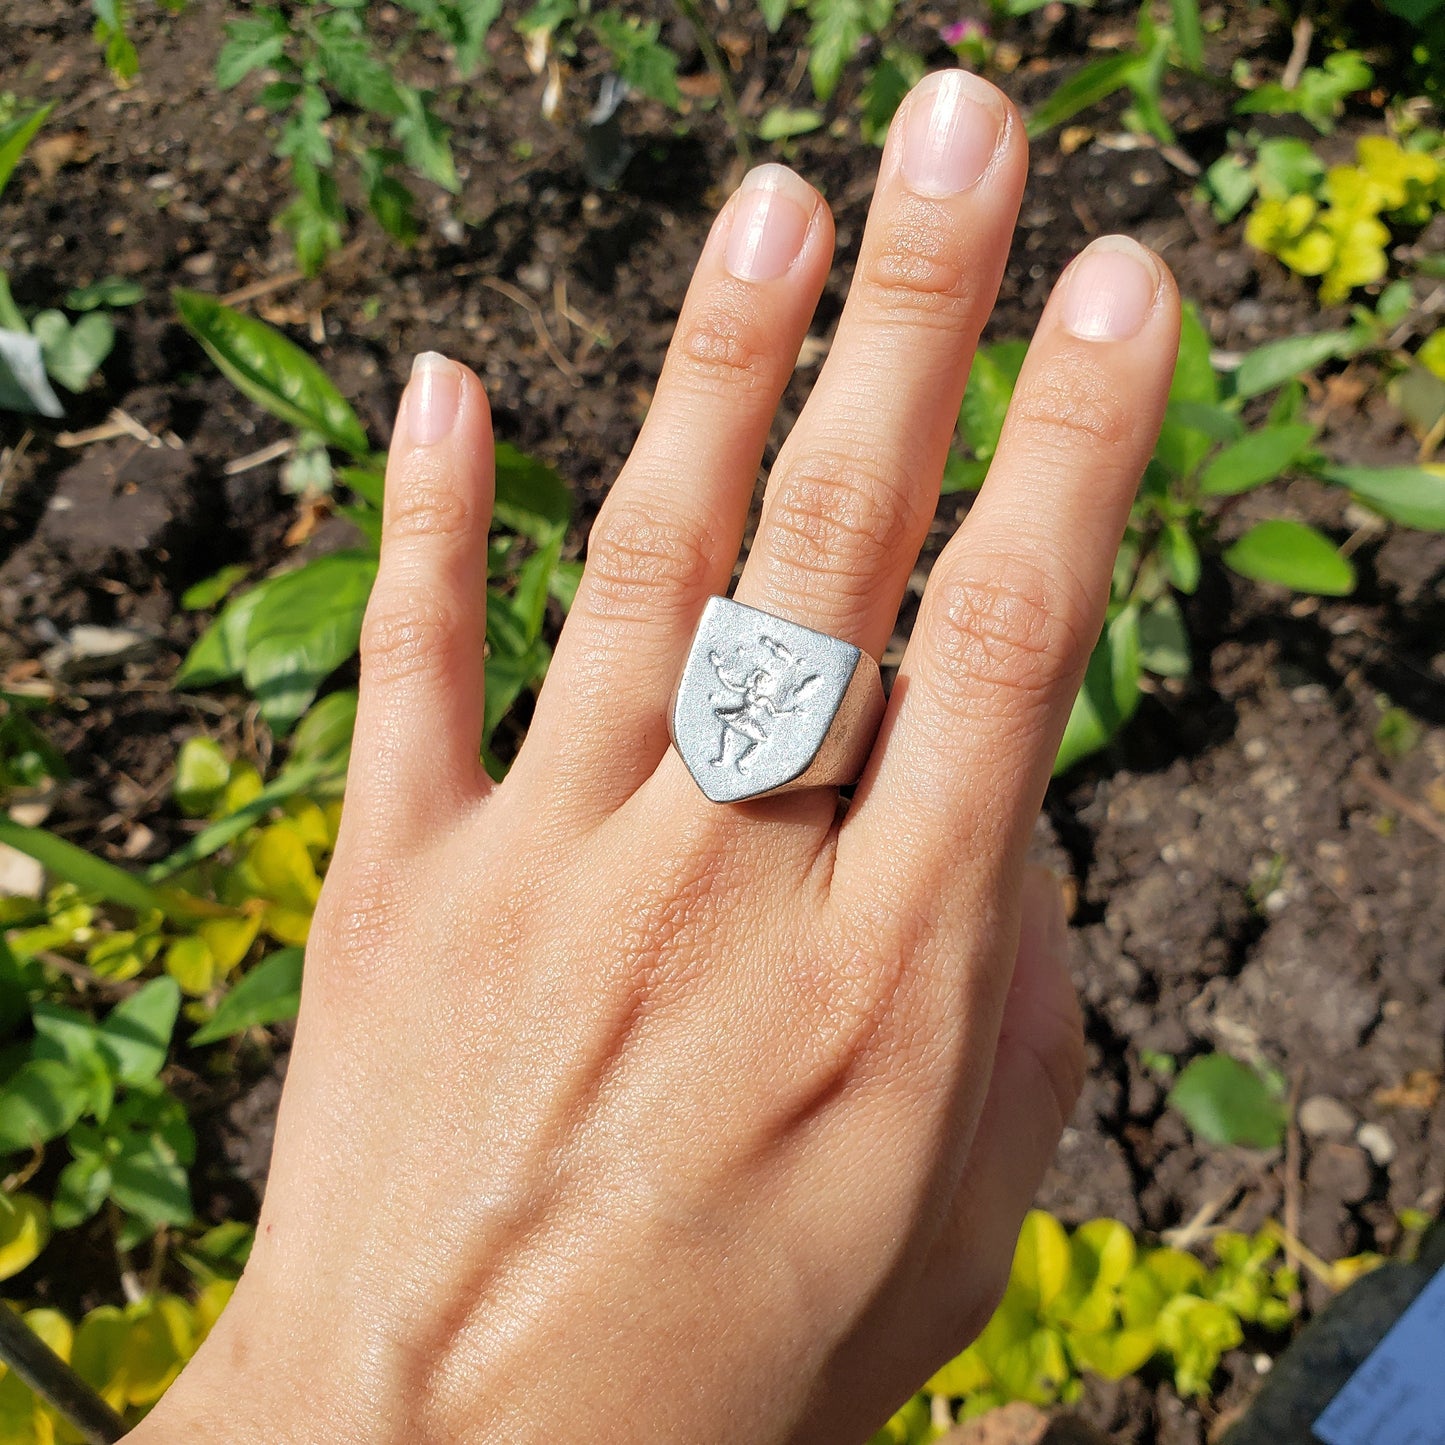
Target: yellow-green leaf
190 963
229 940
24 1232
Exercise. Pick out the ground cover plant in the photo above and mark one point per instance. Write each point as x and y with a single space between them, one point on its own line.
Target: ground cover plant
1251 796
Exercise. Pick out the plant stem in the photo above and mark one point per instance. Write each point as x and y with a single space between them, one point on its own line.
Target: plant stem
690 12
55 1382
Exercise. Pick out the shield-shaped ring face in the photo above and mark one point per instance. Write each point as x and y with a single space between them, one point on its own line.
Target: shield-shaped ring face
756 701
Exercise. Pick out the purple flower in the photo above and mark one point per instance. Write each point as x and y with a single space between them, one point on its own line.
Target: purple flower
964 32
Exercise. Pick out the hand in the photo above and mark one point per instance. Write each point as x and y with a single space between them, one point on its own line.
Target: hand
615 1114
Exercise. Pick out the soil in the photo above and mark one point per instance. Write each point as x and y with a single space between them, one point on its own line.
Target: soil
1252 871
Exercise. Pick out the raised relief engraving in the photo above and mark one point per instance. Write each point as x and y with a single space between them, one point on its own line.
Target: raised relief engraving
759 690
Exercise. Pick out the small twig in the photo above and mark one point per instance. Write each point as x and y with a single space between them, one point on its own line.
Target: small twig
1292 1177
520 298
250 462
715 63
27 1171
263 287
54 1381
1198 1226
1304 34
118 423
1400 802
11 458
85 976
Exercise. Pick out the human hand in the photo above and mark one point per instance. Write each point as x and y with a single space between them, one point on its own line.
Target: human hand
616 1114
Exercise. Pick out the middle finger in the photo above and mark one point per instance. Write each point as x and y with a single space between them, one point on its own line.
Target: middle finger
855 486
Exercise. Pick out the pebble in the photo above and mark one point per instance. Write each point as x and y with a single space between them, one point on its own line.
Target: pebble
20 875
1321 1117
88 650
1373 1139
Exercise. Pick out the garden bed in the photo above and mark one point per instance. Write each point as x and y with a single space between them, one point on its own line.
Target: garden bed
1257 863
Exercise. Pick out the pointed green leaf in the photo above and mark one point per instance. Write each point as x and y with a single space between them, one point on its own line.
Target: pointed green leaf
1413 496
1255 459
268 994
1292 555
272 371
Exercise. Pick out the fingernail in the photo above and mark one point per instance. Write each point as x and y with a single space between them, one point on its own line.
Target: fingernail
433 398
771 214
950 133
1110 289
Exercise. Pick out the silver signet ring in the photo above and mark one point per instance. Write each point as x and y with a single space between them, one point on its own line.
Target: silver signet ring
764 705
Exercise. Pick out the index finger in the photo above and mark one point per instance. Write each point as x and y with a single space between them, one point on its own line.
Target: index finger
1016 600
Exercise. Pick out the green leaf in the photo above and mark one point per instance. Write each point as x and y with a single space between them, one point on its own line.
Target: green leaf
367 482
1164 640
783 122
531 497
303 629
1181 557
1277 362
213 589
15 138
24 386
1110 693
295 779
1095 82
202 772
220 651
473 20
150 1182
251 44
1413 496
509 675
1230 185
991 382
356 73
425 142
1188 32
89 873
111 291
529 600
39 1102
647 65
80 1190
74 350
838 27
316 219
269 993
137 1031
272 371
1225 1101
774 12
1255 459
324 734
897 72
1286 166
1041 1261
1292 555
1183 441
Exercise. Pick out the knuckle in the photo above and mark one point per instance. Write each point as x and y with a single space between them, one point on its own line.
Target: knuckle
429 503
920 269
416 637
717 349
1004 642
644 566
1066 407
838 519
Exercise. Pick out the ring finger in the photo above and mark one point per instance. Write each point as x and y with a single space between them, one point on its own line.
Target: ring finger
855 486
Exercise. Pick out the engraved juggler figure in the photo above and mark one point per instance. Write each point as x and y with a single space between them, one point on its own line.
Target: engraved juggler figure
758 693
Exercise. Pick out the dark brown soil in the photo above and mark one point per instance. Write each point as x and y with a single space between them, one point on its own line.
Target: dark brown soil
1253 872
